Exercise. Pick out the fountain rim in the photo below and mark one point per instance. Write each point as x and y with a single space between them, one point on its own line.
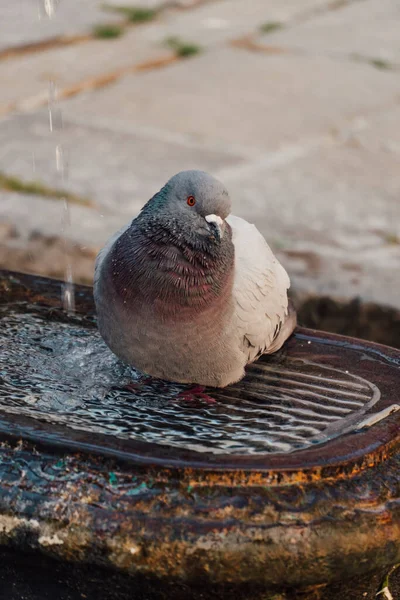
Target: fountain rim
347 453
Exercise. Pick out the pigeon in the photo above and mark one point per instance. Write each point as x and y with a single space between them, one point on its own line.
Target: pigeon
187 292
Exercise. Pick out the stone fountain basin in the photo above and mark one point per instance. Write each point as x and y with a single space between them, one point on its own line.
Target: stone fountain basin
319 510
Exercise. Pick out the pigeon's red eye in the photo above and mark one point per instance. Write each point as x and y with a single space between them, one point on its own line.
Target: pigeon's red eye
191 200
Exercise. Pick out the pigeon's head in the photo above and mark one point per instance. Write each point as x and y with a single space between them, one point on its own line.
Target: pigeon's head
195 200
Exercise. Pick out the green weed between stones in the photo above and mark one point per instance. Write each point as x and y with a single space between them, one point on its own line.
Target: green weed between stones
271 26
181 48
380 63
392 239
107 32
35 188
133 14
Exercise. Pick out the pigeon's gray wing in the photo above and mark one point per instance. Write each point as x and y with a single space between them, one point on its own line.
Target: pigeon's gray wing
259 291
105 250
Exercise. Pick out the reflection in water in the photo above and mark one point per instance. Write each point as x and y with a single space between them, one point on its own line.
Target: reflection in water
62 372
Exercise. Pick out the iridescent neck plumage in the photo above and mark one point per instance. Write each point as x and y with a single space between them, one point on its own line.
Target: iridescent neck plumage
161 267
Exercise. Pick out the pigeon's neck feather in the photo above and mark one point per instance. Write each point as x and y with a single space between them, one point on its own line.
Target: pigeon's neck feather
172 277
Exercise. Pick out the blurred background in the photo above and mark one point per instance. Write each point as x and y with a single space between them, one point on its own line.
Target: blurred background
293 104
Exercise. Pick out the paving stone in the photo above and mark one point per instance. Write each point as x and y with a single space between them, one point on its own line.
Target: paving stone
71 66
153 4
32 215
367 29
38 236
205 25
238 97
307 141
382 132
27 21
118 169
333 216
224 20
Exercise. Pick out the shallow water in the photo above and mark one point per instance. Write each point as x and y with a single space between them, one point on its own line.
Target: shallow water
62 372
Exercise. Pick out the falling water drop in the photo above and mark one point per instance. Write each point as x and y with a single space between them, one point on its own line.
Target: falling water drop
60 162
55 126
51 103
68 293
47 8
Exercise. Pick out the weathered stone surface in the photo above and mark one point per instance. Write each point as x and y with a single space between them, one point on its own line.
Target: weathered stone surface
26 21
247 99
119 168
224 20
208 24
333 215
363 29
307 140
72 69
32 215
35 237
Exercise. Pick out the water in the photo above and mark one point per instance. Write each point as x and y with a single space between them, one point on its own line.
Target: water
47 8
61 163
62 372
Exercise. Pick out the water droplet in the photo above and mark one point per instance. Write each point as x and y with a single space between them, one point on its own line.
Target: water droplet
61 162
68 294
47 8
52 92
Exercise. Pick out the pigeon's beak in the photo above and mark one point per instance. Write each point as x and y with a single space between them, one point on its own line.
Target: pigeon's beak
217 224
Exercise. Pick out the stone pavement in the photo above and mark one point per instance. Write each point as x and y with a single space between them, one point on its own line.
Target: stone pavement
293 104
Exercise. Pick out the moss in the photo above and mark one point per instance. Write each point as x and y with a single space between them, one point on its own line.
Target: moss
270 26
109 31
380 63
35 188
181 48
392 238
134 14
